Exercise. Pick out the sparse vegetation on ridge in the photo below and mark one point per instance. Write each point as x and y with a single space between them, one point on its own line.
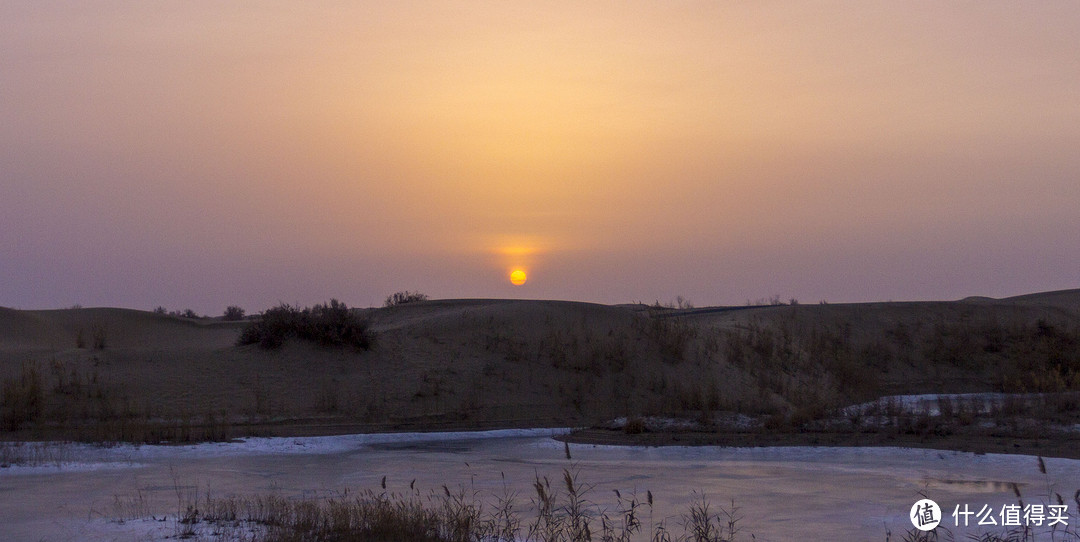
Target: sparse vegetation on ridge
401 298
728 374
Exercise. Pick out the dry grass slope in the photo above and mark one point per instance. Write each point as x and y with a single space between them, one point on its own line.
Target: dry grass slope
137 375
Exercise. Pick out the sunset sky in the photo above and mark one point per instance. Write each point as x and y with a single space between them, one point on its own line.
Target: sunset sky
202 154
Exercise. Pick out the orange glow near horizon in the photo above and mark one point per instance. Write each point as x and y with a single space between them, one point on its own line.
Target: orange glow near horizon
643 152
517 251
518 257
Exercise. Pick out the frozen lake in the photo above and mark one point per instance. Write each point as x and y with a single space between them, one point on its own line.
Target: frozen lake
783 493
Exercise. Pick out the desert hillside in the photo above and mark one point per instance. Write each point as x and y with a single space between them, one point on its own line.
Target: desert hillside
134 375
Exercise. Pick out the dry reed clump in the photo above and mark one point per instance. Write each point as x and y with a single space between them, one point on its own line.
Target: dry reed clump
563 512
33 454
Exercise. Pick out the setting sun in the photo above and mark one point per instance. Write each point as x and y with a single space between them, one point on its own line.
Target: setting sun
518 277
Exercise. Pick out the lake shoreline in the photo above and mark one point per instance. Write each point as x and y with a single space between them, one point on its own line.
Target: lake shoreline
1066 448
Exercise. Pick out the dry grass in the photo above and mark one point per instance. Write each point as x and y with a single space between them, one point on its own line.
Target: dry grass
33 454
561 512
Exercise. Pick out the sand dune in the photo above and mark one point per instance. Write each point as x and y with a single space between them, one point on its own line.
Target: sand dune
485 363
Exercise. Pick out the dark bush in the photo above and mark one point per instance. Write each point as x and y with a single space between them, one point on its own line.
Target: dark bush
330 324
233 313
401 298
186 313
275 326
334 324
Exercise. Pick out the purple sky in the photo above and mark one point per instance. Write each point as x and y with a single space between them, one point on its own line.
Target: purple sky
198 155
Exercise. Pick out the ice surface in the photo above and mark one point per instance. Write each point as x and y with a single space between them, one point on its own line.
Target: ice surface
783 492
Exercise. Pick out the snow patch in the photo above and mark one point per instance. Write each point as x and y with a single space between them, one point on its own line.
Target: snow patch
96 457
930 403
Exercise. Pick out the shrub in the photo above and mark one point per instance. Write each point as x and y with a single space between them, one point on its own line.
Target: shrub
331 324
401 298
334 324
233 313
275 326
